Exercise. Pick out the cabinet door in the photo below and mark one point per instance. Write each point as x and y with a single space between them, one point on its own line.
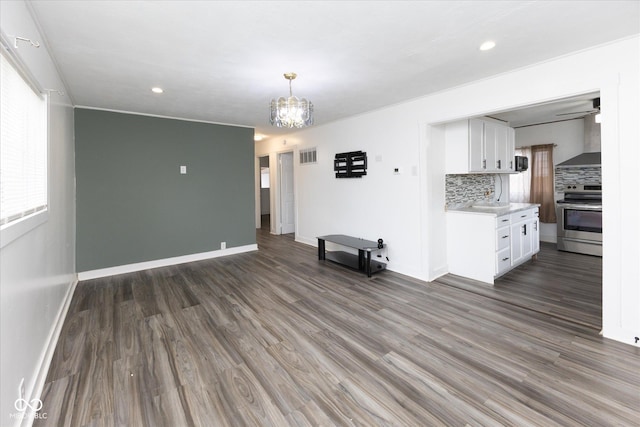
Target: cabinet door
503 261
527 239
491 135
516 243
504 144
503 238
511 150
535 235
477 161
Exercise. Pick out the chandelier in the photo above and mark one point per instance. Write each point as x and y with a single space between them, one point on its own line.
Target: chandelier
291 112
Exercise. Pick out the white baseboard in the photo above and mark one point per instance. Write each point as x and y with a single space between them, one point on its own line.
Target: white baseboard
47 354
147 265
621 335
549 238
438 272
307 241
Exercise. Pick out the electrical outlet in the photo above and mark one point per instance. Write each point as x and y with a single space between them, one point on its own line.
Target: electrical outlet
21 391
223 245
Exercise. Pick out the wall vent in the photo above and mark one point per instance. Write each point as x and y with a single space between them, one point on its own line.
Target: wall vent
308 156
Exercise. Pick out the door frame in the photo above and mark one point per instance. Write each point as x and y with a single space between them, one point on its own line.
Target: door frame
274 188
278 224
258 184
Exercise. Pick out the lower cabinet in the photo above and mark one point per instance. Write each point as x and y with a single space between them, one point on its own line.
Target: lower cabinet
525 236
484 246
503 250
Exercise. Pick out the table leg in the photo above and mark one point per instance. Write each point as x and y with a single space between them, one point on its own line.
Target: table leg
321 255
369 263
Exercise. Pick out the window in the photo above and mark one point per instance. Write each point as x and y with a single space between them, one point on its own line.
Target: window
536 184
520 183
23 148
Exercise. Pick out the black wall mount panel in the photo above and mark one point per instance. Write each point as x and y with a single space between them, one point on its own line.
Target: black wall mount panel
350 165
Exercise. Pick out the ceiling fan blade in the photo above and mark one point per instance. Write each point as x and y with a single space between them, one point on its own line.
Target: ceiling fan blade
578 112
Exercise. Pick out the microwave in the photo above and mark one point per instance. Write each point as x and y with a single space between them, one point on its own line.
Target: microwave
522 163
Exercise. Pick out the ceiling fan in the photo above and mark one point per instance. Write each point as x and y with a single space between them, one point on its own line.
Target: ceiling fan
595 110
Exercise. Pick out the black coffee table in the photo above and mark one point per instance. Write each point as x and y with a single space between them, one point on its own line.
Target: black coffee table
361 262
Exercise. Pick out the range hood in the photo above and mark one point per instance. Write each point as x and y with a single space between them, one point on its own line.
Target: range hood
584 159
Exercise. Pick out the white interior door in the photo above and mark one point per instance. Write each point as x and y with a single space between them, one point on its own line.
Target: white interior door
287 202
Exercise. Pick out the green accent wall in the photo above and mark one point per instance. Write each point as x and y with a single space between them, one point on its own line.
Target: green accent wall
132 203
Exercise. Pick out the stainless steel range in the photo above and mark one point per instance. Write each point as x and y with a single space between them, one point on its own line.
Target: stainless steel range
580 219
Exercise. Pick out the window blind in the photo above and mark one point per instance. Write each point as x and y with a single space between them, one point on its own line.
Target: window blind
23 147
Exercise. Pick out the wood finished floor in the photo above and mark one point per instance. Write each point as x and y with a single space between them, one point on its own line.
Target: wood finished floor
561 284
277 338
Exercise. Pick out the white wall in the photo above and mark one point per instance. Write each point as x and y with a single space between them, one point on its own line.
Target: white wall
408 210
363 207
37 269
569 137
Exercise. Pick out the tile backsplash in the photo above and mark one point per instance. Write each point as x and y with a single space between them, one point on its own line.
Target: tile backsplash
465 188
577 175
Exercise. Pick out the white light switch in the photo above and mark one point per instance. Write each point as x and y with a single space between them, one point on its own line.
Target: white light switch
183 170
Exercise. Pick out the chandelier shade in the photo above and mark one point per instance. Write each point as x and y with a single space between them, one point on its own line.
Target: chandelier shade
291 112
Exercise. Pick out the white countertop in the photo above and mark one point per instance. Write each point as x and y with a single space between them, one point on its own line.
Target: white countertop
493 210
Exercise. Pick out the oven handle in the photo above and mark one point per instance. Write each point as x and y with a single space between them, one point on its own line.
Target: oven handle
590 242
583 207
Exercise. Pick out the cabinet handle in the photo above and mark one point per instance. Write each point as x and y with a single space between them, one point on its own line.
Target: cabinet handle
535 225
505 220
504 259
524 227
523 216
511 165
484 164
499 163
504 237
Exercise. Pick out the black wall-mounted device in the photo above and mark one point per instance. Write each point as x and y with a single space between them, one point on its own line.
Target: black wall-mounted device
522 163
350 165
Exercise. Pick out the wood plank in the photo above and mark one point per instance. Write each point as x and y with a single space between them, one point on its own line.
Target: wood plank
275 337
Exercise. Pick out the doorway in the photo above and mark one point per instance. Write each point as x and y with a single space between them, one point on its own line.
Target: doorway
560 284
286 192
265 193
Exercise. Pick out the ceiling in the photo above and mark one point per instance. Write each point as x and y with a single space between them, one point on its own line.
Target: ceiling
223 61
572 108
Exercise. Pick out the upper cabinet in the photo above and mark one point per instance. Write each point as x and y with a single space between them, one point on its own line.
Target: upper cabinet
479 146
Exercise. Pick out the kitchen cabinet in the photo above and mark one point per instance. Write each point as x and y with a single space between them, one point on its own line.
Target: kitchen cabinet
525 235
535 234
505 142
479 146
483 246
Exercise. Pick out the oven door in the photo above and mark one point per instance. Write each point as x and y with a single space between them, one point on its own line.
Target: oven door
582 222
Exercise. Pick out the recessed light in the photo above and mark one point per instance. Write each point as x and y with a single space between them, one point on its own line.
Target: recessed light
157 90
258 137
488 45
